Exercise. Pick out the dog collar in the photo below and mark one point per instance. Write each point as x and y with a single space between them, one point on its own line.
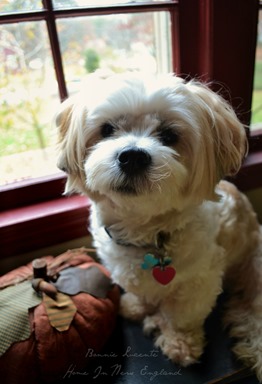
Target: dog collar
156 260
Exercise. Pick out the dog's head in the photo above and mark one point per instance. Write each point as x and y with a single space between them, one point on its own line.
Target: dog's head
163 141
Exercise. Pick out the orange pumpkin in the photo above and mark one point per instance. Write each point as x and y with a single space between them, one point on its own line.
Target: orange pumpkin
47 353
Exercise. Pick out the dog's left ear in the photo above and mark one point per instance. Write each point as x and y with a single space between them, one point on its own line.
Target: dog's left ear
227 132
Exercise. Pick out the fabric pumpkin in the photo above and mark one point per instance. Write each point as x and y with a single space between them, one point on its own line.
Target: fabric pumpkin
47 353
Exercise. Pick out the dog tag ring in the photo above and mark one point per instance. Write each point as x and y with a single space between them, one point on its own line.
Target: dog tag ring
158 261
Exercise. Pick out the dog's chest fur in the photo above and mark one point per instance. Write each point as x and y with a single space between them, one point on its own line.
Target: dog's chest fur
192 246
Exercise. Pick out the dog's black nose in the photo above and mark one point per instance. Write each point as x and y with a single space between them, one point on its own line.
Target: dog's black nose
133 160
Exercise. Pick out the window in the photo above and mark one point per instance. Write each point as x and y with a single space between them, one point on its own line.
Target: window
28 97
47 47
256 121
84 43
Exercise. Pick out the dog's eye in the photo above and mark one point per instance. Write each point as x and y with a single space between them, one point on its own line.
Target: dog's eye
107 130
168 136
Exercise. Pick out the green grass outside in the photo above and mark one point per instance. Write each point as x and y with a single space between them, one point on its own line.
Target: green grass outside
257 95
257 107
30 132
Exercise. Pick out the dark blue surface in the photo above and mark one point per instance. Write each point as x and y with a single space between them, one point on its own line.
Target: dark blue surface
131 358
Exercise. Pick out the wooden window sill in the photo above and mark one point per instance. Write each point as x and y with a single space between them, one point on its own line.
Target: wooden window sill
43 224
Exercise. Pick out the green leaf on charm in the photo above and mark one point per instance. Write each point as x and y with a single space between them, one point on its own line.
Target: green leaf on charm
149 261
167 260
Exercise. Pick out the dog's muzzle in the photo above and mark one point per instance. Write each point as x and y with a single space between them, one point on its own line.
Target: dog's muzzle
133 161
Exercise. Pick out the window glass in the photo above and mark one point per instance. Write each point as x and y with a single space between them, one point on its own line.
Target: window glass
19 5
114 44
256 121
85 3
28 87
28 100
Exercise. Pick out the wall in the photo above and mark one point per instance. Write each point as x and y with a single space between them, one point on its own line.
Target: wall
255 196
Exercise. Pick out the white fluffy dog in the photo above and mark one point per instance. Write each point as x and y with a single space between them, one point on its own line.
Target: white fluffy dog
150 154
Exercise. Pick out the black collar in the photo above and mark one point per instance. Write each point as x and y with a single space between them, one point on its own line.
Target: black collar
161 239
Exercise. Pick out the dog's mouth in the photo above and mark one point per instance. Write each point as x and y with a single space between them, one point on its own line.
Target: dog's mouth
131 186
126 189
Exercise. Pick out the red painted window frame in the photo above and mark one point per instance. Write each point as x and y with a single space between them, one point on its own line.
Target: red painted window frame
34 214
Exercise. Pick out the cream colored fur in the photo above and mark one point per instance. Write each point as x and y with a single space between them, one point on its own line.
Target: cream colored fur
214 237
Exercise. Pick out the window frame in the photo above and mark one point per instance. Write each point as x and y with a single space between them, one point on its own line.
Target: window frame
196 52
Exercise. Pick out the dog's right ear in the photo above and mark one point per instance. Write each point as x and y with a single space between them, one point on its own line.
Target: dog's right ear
63 115
70 120
62 121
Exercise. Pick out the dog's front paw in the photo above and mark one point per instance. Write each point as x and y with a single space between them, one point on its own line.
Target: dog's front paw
132 308
182 348
152 324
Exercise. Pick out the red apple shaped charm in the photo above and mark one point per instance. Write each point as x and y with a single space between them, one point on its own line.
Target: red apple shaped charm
163 275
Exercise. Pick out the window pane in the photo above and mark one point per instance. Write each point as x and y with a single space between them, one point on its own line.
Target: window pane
114 44
19 5
256 121
28 100
86 3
